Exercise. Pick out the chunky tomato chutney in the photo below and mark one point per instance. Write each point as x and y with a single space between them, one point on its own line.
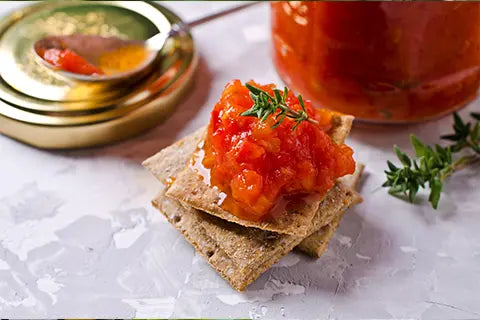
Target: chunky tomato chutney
255 165
67 60
122 59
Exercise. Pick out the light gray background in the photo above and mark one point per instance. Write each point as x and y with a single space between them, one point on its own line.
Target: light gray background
79 237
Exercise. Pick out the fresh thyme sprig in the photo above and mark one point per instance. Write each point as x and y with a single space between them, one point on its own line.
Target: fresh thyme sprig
434 165
465 135
265 105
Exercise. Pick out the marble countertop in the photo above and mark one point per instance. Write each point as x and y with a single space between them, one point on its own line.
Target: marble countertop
79 237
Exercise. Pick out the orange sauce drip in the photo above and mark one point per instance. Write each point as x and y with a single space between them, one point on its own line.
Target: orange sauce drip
170 181
67 60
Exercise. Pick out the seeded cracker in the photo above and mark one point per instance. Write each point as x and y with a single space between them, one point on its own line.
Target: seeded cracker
190 189
238 253
317 242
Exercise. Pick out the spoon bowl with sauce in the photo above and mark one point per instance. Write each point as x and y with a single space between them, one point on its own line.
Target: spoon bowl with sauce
94 58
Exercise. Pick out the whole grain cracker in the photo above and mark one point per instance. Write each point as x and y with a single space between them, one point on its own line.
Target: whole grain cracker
316 243
239 254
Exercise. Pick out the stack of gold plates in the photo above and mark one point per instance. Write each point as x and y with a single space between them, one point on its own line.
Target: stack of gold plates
41 107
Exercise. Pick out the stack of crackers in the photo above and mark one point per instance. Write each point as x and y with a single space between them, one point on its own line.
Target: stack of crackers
241 250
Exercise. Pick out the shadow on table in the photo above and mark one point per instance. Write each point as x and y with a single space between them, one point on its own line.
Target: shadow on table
356 248
382 136
354 251
148 143
385 136
351 256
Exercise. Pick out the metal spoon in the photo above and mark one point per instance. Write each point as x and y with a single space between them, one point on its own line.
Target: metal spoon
92 47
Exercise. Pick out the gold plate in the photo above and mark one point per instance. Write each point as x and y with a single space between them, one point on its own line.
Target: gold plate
81 123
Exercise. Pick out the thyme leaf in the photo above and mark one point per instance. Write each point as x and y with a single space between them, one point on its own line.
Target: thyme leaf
265 105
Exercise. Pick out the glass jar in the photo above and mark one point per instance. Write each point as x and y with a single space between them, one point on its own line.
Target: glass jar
380 61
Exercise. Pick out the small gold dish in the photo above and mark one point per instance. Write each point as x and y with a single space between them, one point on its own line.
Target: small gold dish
40 107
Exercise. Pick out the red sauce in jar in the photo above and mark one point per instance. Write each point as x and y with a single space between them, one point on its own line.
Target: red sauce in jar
381 61
255 165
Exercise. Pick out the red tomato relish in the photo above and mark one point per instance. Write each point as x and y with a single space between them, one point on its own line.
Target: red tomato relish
256 165
67 60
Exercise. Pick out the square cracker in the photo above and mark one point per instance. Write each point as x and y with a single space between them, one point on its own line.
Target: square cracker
190 189
239 254
169 161
317 242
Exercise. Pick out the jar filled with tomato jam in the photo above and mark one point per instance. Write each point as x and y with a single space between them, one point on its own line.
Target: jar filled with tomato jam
380 61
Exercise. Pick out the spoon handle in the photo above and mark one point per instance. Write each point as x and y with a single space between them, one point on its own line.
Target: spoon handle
157 42
219 14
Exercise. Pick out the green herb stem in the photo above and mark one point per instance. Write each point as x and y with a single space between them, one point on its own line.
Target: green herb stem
458 165
265 105
295 114
433 165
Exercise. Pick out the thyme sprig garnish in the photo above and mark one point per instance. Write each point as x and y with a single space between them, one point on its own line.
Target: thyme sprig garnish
265 105
434 165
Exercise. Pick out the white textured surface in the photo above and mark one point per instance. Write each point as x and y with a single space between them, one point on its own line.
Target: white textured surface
78 236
